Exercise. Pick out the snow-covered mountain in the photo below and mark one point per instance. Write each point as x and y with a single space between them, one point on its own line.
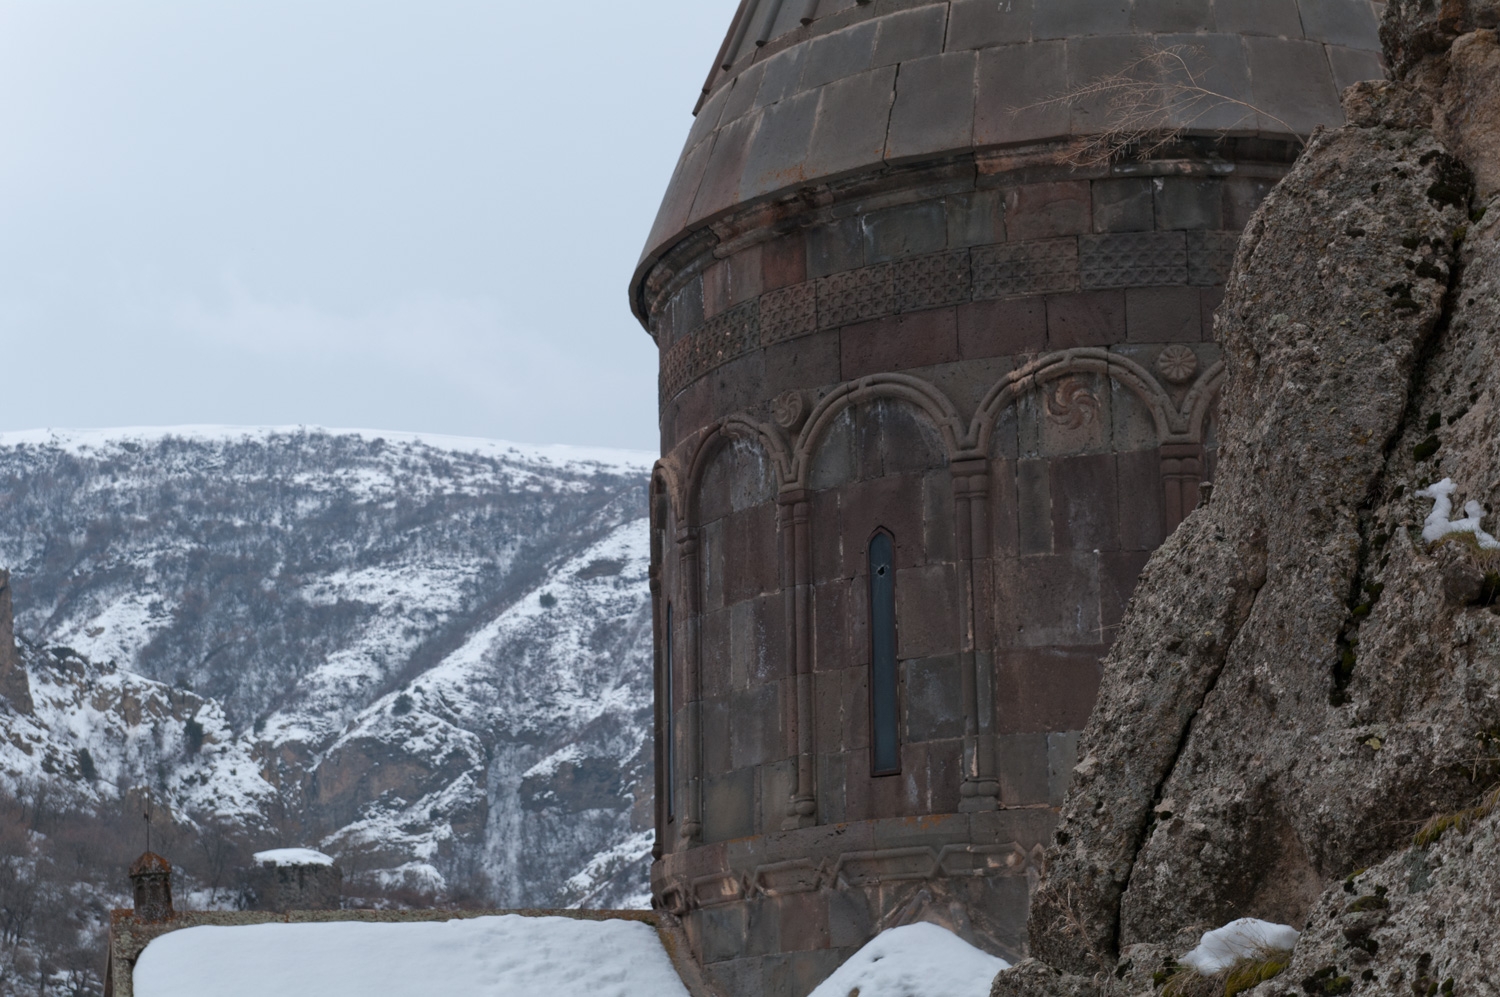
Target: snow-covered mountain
430 653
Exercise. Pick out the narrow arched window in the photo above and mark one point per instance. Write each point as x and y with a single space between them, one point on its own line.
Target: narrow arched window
668 733
885 735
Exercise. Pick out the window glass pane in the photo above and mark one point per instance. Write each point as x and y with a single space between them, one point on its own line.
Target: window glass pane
885 741
670 781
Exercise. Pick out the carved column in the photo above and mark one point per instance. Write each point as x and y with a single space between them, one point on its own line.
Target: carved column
971 491
690 739
1181 474
796 587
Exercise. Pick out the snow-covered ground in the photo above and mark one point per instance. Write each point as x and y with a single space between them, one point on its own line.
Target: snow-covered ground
498 956
914 960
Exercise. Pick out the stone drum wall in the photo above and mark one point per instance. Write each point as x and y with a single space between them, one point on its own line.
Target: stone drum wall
888 306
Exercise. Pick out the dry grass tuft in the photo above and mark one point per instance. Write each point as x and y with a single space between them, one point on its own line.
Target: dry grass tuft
1248 972
1459 820
1256 970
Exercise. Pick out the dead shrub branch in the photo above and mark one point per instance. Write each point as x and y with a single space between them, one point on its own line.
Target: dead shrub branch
1149 105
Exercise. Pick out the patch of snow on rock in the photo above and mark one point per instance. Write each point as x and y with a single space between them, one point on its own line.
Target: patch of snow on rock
1245 938
497 956
1439 522
914 960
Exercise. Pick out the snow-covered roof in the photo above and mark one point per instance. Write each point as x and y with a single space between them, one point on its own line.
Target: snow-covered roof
292 856
507 955
914 960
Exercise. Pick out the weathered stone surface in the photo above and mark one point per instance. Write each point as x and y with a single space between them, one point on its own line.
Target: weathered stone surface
1216 777
1302 680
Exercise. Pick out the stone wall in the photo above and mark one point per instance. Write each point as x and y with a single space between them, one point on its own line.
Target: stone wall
889 298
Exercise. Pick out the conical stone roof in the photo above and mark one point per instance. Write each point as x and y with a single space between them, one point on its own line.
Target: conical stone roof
807 91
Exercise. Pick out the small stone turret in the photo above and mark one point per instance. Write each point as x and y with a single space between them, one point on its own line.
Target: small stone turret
286 879
152 877
14 688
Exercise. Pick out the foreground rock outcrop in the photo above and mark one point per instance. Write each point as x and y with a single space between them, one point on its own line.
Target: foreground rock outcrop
1303 680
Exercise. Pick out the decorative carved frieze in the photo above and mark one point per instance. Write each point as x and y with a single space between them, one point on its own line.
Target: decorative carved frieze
1132 259
1039 267
932 281
856 295
788 313
1210 254
857 869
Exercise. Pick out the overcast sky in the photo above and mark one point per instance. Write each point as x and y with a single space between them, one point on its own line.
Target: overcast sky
359 213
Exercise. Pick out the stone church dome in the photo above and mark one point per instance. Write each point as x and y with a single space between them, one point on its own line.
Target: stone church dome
808 91
935 381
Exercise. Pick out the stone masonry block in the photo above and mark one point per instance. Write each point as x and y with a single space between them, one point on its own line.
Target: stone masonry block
1023 765
1189 203
975 218
755 726
1034 507
1341 22
1090 318
1150 16
1049 600
1294 78
783 73
933 698
1017 268
919 339
784 136
1084 511
1002 328
1242 196
1132 259
910 35
1013 83
1163 315
744 274
905 230
808 362
721 933
720 187
851 127
783 262
1123 205
1048 210
838 55
934 110
729 805
983 23
926 611
1079 18
742 92
799 972
1276 18
1354 65
835 247
1047 689
1140 498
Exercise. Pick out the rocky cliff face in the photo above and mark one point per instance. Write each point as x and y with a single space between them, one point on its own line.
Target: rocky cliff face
1304 679
432 658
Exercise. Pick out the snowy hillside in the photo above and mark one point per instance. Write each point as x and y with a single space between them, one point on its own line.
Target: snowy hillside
431 653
